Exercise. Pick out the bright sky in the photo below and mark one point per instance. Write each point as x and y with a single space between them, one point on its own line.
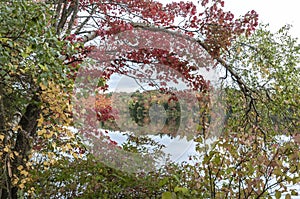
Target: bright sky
276 13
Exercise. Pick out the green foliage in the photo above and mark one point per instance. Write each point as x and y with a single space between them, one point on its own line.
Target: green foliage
88 178
29 64
260 141
29 53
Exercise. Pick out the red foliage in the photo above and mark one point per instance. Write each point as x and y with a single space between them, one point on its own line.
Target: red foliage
207 23
216 26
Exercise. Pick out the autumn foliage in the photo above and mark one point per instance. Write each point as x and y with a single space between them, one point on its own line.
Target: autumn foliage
57 57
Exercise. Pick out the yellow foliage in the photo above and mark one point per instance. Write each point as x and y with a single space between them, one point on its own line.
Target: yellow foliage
68 146
22 186
31 191
20 167
41 132
48 135
2 137
40 121
11 155
52 123
28 164
15 181
74 155
53 161
24 172
43 87
6 149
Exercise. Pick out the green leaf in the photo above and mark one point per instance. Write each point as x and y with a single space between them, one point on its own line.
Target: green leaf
183 190
43 67
176 178
277 194
168 195
288 196
294 193
101 82
163 182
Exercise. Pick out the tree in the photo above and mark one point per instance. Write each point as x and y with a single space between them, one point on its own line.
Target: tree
45 44
260 141
31 77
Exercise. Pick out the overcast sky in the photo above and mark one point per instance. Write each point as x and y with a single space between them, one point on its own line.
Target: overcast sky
275 12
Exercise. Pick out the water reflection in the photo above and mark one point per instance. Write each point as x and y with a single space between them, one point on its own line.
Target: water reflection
176 149
154 115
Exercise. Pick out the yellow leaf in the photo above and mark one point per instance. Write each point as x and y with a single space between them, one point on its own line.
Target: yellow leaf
15 128
20 167
6 149
68 145
28 164
22 186
23 181
16 153
75 155
11 155
40 121
52 161
43 87
2 137
41 132
70 134
25 173
15 181
48 135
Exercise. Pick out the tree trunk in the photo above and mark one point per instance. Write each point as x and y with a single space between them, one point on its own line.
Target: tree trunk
28 124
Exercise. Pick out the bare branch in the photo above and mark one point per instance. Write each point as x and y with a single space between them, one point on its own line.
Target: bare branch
86 20
74 15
